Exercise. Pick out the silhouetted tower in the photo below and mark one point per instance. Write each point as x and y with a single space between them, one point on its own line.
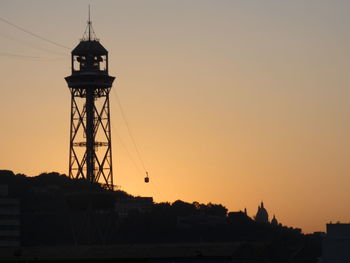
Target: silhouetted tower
90 155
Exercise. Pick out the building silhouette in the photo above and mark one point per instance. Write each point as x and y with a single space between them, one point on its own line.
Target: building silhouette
336 244
262 215
10 224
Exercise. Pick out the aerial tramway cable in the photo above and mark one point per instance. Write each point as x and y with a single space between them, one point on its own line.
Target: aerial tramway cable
132 137
27 57
27 44
146 178
33 34
15 55
127 152
18 55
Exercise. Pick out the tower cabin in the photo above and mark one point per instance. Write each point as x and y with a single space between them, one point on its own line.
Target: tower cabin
89 62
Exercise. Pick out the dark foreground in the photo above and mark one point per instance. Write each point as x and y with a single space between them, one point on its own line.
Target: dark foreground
58 219
177 253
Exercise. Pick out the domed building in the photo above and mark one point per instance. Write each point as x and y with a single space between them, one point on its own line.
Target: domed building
262 215
274 221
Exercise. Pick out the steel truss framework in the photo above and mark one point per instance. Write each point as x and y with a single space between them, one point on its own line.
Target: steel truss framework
80 131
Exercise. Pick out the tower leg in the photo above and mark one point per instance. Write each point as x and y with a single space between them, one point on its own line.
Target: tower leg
71 158
90 138
109 161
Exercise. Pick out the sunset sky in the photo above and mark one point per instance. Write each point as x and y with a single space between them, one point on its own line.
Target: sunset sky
230 102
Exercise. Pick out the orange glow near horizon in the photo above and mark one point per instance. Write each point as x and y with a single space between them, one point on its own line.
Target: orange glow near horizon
230 102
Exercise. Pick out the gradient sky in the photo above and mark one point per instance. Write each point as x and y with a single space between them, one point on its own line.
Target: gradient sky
230 102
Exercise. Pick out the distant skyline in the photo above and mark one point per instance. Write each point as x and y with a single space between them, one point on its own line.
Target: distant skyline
231 102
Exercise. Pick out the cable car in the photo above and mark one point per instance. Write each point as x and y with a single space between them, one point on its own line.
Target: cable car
146 178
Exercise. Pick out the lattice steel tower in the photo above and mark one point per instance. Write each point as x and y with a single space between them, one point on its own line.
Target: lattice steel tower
90 155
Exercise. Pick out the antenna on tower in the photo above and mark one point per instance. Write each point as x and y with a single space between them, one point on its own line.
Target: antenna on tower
89 33
89 25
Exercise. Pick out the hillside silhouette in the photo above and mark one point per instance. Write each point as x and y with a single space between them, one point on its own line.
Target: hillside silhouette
57 210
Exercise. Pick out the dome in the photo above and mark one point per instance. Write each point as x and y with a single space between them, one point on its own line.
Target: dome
274 221
262 215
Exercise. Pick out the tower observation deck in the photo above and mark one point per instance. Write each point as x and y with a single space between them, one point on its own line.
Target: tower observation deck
90 154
